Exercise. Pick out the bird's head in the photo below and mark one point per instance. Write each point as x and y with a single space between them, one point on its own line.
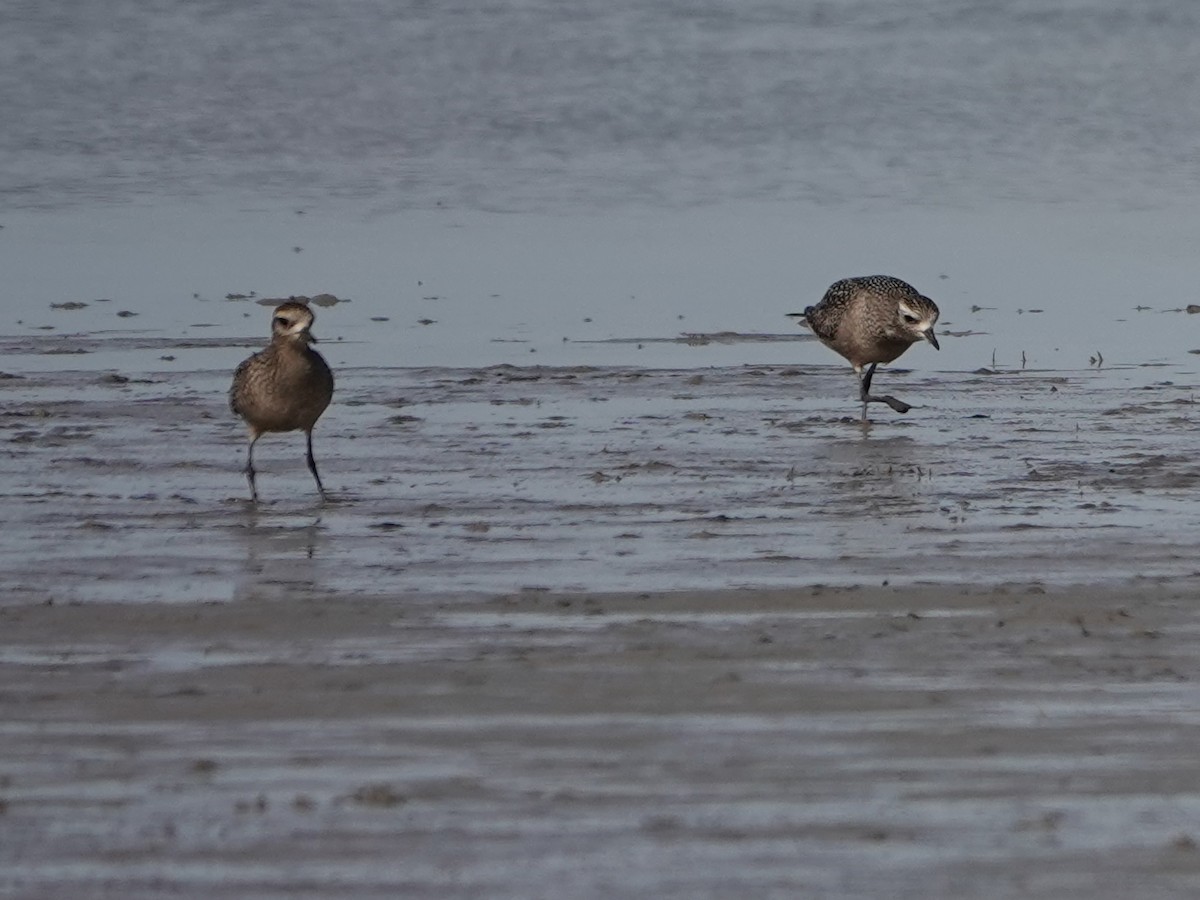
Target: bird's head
293 320
915 317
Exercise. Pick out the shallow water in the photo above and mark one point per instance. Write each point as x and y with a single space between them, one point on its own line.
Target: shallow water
1017 286
548 105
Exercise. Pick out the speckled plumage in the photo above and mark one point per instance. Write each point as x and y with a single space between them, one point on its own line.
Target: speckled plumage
284 387
871 320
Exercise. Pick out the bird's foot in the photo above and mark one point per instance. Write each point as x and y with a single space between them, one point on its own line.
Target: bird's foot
898 405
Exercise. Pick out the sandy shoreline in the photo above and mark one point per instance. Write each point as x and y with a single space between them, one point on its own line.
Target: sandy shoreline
851 742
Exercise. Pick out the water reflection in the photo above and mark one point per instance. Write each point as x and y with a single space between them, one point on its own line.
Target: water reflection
878 475
283 555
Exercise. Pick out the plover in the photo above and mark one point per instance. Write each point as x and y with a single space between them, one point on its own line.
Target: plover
284 387
872 320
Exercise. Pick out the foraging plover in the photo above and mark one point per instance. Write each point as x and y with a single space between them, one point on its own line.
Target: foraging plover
872 320
284 387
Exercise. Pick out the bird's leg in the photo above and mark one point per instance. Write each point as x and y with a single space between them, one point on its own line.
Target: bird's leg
864 384
864 388
312 466
250 466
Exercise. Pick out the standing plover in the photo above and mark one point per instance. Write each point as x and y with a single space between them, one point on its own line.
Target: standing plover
284 387
872 320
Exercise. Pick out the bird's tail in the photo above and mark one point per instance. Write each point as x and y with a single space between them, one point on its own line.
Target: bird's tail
800 315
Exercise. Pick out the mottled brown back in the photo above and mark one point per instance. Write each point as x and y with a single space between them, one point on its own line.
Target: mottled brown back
859 318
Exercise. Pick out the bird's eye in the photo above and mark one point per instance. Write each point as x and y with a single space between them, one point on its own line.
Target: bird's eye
911 320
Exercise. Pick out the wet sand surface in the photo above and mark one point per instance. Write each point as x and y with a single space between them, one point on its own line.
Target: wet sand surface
600 632
1009 742
577 478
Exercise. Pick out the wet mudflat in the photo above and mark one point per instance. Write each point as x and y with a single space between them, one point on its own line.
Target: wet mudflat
595 632
811 742
575 478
